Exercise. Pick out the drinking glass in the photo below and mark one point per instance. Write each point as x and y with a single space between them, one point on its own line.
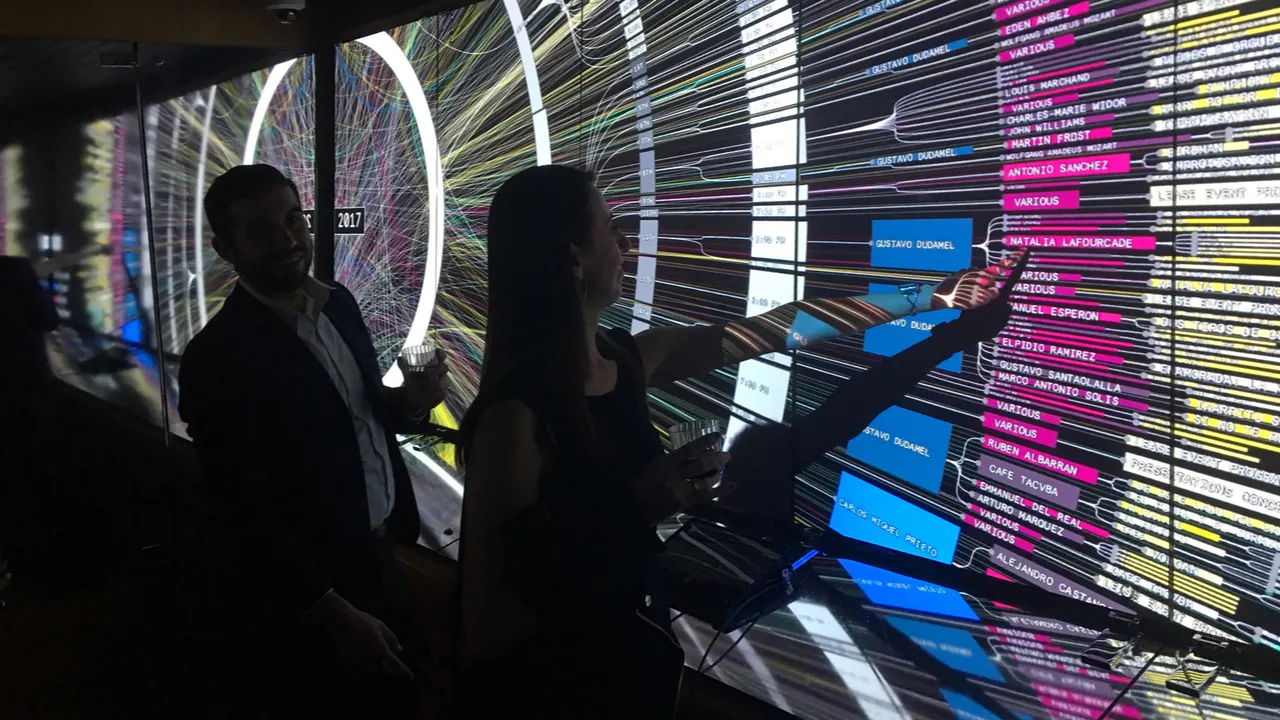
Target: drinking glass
420 357
686 432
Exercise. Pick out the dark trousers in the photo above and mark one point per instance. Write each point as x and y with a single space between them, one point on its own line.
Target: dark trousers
312 682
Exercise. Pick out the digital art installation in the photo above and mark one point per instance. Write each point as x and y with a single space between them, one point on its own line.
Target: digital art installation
1118 444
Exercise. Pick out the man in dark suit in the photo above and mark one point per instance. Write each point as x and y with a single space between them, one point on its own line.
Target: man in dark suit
282 397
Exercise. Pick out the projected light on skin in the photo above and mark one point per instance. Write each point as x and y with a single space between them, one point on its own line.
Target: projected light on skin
387 49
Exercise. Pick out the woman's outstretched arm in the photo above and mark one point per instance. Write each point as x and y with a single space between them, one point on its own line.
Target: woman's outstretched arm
676 353
765 455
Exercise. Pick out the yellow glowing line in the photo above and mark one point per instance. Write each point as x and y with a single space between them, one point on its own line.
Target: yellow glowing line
1234 451
1215 340
1231 362
1206 534
1233 391
1263 29
1225 366
1217 423
1260 417
1207 19
1220 221
1212 40
1228 228
1225 437
1187 585
1256 16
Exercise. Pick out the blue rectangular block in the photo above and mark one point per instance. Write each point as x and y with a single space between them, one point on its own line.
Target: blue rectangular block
892 338
864 512
905 444
944 244
885 587
954 647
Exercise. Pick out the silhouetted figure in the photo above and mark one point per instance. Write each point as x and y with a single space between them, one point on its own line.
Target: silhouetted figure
566 475
283 399
27 315
27 403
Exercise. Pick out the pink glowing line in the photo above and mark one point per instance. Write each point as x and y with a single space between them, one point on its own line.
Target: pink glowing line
1071 339
1073 261
1043 397
1061 300
1073 365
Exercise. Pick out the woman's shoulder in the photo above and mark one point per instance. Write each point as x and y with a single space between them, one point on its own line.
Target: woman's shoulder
507 415
624 340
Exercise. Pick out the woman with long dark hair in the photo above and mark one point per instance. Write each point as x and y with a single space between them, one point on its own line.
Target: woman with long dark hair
566 475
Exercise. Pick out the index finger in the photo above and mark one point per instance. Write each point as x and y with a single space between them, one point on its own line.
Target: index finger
395 666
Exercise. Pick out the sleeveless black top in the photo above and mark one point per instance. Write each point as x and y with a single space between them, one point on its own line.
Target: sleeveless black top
584 561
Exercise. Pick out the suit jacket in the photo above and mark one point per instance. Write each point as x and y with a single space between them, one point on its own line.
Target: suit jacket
26 314
274 436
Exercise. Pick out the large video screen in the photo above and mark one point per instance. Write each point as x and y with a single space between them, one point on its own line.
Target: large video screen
767 151
81 187
1115 444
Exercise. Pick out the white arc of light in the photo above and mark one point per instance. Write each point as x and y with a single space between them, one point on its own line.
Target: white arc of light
386 48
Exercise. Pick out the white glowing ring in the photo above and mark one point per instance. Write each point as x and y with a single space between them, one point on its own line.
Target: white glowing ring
541 128
386 48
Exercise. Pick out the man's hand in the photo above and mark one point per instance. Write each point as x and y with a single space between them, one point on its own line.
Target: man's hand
361 640
426 386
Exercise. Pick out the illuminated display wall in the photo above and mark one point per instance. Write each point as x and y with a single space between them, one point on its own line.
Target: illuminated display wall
765 151
80 187
772 150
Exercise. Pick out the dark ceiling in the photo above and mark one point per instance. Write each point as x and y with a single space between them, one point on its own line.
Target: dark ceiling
45 78
61 77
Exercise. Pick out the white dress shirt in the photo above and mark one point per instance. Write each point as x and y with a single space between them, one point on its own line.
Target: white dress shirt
325 342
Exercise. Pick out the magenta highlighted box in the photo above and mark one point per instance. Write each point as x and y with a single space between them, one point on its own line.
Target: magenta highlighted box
1040 459
1054 16
1070 353
1060 138
1070 709
1001 533
1061 200
1039 103
1112 164
1005 406
1027 289
1019 429
1001 520
1069 520
1068 313
1036 48
1051 276
1084 242
1004 12
1070 11
1074 88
